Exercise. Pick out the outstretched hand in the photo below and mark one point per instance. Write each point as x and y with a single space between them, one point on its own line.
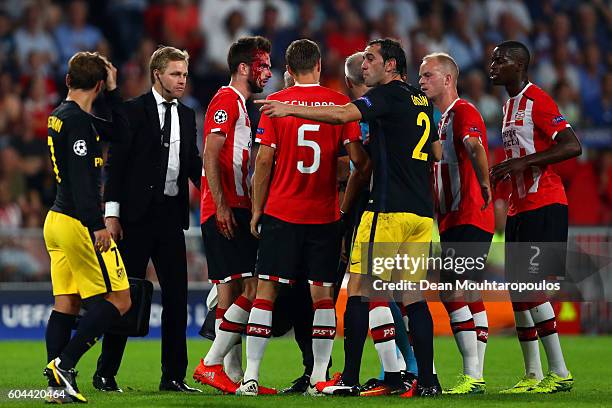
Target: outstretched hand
273 109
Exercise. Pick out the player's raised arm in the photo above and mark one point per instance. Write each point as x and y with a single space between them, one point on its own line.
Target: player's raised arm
335 115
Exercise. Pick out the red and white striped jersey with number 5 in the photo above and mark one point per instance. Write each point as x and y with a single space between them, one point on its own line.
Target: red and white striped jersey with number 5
530 124
227 115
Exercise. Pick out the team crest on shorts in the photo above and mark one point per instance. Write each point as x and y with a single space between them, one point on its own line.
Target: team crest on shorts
220 116
119 272
80 147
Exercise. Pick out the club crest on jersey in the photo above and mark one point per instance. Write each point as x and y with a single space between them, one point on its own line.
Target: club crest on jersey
520 115
80 148
220 116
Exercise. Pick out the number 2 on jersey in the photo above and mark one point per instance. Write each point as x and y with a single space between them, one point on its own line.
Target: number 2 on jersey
417 153
302 141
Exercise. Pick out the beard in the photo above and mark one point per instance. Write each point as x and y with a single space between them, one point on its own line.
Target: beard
254 87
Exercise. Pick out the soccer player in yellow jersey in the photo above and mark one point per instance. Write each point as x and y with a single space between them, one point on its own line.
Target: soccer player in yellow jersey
399 212
86 267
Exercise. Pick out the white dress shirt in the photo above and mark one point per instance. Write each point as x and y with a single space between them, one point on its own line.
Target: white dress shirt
171 186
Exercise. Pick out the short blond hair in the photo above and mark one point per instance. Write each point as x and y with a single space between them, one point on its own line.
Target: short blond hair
162 56
446 61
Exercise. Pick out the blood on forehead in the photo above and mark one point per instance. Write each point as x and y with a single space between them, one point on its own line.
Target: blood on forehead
259 62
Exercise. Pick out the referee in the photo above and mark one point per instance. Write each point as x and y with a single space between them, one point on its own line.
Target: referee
399 211
86 266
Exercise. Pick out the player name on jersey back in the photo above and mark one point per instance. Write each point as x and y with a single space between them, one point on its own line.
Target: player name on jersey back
310 103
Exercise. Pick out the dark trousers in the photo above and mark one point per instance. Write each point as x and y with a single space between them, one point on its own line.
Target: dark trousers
158 237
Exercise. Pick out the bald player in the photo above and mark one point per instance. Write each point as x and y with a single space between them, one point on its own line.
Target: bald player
465 218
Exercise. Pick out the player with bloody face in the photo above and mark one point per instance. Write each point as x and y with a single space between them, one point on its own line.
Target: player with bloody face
226 210
259 71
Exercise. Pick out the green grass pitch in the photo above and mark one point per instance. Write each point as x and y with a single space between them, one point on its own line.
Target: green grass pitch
589 359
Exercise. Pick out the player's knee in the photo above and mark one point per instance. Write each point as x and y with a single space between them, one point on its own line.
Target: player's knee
354 287
226 295
68 304
319 293
250 288
124 306
121 300
267 290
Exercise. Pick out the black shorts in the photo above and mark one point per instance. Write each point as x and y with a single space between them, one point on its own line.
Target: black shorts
230 259
467 242
544 234
288 252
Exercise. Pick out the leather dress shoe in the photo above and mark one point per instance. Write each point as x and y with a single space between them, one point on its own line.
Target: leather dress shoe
105 384
176 386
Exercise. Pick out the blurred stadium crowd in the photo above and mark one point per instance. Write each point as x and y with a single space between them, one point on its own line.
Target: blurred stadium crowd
570 41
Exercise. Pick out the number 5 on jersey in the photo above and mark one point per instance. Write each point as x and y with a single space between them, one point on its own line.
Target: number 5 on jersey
302 141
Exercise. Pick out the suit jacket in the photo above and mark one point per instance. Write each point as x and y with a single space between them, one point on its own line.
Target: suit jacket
133 167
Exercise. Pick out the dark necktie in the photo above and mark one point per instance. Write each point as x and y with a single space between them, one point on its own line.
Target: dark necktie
165 143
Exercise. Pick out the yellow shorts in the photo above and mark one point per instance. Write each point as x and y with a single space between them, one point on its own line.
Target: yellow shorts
76 267
403 237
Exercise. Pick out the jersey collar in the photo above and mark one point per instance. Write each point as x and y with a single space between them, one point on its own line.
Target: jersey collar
523 90
306 85
450 107
238 92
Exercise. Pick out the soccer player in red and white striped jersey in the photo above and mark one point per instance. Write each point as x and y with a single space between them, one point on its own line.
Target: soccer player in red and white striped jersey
225 205
465 218
295 198
535 135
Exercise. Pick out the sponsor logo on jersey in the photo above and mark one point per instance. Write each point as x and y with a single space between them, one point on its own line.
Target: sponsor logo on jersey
509 138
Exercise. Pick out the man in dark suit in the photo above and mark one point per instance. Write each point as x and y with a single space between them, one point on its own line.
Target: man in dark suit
146 196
